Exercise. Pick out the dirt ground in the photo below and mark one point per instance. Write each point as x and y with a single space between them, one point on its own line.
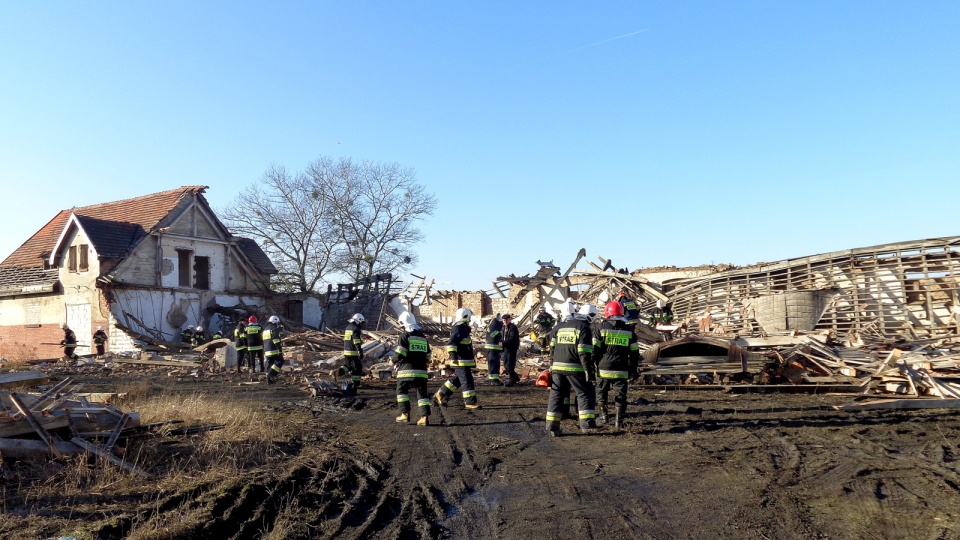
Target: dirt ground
691 464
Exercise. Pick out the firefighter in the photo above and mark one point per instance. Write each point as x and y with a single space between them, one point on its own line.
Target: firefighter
567 311
272 334
69 342
618 353
494 348
186 336
631 312
199 338
100 341
571 343
460 351
412 359
544 324
353 350
254 334
511 350
240 342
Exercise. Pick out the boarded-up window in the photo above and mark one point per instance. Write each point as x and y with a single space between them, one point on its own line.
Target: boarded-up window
201 269
183 263
31 313
82 255
72 259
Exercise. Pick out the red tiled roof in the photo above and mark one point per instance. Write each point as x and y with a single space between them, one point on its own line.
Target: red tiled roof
114 227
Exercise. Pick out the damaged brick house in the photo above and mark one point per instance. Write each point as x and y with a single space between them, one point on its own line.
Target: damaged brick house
152 264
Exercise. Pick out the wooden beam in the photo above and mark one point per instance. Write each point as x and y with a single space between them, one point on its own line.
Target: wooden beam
94 449
23 378
28 415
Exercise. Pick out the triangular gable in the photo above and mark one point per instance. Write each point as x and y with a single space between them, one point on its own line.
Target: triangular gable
72 221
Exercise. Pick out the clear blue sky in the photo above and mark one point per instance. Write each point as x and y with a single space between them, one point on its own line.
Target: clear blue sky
651 133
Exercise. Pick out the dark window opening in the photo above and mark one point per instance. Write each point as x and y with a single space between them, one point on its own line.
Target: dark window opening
201 276
183 264
72 259
84 260
295 310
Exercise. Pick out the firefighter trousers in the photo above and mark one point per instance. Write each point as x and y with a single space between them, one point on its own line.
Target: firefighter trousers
560 386
404 386
461 380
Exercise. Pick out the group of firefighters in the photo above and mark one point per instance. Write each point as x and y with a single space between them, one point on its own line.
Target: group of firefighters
259 346
592 360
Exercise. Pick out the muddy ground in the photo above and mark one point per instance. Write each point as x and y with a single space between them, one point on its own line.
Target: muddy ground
690 464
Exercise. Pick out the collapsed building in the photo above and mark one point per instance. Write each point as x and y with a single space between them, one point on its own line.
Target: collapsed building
145 266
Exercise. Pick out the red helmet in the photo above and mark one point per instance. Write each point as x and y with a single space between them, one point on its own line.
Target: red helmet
252 319
613 309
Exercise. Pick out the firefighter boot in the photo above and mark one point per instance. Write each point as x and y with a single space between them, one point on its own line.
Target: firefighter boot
589 425
404 418
621 416
553 428
602 417
439 399
423 421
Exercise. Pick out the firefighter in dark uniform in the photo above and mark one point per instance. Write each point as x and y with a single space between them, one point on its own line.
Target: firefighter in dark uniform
544 324
460 351
240 342
186 337
631 311
494 349
413 357
100 341
571 366
254 334
353 350
199 337
69 342
617 352
272 334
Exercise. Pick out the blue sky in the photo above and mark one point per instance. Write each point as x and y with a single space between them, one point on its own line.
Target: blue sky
650 133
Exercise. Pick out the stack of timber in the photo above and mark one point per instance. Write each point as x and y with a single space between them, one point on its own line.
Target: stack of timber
61 422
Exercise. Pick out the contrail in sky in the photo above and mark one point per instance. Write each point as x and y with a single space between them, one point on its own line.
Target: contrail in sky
608 40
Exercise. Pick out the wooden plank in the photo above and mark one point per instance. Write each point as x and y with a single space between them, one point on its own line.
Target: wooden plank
94 449
171 363
116 432
26 448
910 403
28 416
36 402
23 378
886 364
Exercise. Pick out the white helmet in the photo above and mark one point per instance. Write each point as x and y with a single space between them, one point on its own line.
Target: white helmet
199 329
567 309
463 314
660 304
99 328
357 318
63 326
408 321
274 319
588 312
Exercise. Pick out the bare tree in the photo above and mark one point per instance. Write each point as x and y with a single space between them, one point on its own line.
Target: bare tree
376 208
334 219
290 219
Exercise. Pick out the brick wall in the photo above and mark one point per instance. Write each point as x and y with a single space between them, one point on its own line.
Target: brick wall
24 342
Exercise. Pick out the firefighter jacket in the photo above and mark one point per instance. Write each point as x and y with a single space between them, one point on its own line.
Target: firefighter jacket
99 337
272 334
352 340
186 336
240 337
460 347
254 335
494 336
616 350
413 356
511 337
199 338
544 323
631 312
69 338
572 345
